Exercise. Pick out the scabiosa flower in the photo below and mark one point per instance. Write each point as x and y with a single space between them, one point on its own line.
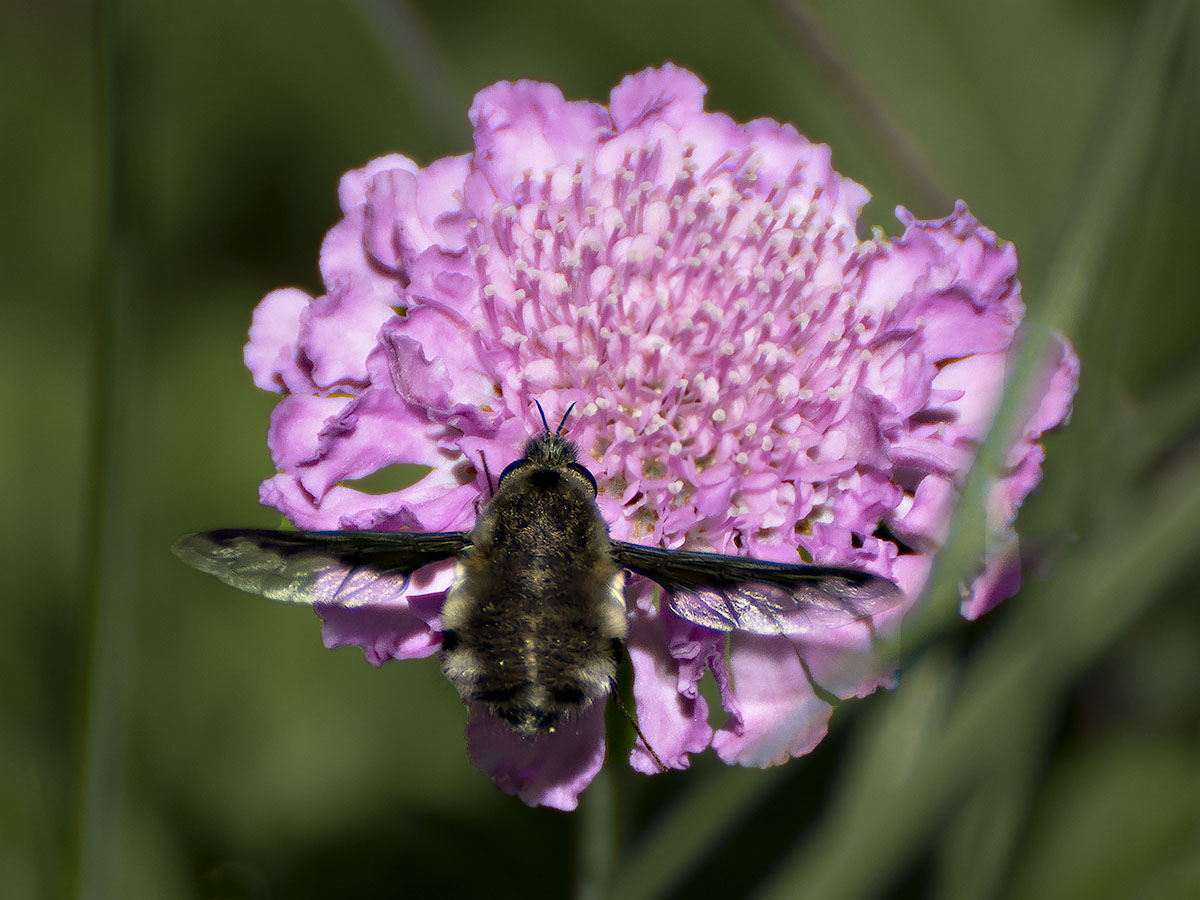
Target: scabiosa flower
748 377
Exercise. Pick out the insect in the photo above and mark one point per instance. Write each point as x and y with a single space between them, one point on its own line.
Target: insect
534 623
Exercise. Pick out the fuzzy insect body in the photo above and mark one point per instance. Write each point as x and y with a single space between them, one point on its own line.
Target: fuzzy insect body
533 624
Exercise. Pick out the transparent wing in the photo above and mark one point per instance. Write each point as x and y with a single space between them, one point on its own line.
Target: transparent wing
737 593
346 568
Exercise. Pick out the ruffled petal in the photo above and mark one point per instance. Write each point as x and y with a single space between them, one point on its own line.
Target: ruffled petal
403 627
271 353
779 714
669 657
549 770
669 94
527 125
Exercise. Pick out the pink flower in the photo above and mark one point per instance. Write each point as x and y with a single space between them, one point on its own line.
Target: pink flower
749 377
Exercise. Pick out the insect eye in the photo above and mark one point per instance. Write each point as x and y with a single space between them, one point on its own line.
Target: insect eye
512 467
587 476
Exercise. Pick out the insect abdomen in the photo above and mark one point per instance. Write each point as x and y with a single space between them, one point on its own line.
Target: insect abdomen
533 651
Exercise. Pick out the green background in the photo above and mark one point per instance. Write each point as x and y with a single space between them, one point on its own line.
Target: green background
165 164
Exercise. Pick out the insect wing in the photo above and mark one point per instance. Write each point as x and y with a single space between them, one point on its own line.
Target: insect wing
736 593
345 568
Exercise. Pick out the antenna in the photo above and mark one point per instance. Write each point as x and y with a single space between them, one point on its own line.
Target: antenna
564 419
545 424
488 473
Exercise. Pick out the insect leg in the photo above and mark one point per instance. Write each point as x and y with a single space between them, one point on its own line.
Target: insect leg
662 767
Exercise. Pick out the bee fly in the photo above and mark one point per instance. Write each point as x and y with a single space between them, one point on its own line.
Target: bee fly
535 620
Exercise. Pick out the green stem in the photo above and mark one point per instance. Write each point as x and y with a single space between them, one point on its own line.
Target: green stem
596 836
108 567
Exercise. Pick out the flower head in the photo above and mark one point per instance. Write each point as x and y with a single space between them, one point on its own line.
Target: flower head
748 377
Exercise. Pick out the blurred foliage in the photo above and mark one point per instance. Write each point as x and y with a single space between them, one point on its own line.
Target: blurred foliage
1051 749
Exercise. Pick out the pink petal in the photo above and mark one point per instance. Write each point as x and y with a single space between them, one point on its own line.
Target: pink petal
528 125
405 627
669 93
781 717
549 770
669 657
271 354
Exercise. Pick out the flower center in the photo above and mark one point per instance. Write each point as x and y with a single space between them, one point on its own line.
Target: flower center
700 317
